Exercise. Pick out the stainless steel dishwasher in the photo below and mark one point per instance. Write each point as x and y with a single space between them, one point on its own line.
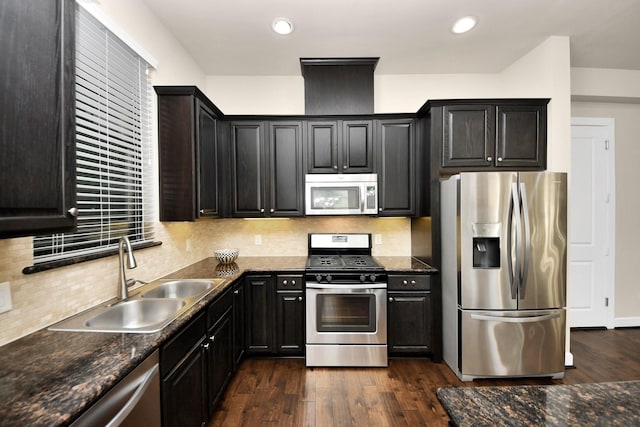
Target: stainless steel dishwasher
134 401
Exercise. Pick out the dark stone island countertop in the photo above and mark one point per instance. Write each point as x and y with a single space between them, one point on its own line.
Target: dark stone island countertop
600 404
49 378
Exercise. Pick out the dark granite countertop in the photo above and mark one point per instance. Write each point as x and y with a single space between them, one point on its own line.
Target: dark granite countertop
48 378
600 404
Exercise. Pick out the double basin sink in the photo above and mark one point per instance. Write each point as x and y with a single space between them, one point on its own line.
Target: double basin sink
151 309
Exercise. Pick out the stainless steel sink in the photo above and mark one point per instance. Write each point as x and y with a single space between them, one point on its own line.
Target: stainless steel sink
179 289
136 314
150 310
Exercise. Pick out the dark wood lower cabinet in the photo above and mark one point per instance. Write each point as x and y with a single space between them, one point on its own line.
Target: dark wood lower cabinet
238 323
259 315
182 374
290 320
409 316
219 359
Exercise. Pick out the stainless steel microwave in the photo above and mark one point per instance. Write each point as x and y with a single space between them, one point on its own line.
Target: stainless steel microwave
341 194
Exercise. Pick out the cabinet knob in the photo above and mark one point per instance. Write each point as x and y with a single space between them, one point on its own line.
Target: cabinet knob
293 283
285 283
335 167
404 282
212 338
413 283
299 298
379 209
390 299
344 167
236 292
206 346
489 159
499 159
271 210
262 210
73 211
201 211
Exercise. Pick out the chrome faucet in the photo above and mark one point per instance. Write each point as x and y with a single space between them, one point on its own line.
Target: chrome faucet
123 283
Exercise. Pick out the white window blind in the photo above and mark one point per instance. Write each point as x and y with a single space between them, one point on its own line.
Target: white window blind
113 148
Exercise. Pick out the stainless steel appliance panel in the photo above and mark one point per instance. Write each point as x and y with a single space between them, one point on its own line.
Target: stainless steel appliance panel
512 343
484 201
346 355
372 330
545 196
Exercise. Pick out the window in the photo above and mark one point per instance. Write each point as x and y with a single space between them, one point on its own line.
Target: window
113 149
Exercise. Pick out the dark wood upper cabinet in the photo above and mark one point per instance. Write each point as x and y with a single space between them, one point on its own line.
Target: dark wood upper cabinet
248 169
322 146
395 141
340 146
488 134
188 154
267 168
286 169
37 118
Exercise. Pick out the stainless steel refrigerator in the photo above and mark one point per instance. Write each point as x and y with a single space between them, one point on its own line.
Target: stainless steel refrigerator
504 244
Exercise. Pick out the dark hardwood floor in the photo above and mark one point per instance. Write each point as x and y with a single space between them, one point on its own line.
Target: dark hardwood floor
283 392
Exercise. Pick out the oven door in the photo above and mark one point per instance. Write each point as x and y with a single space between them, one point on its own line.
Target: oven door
346 314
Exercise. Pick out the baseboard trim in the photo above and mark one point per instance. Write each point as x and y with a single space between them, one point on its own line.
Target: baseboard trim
626 322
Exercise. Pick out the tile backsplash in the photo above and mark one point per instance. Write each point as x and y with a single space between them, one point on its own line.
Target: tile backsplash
44 298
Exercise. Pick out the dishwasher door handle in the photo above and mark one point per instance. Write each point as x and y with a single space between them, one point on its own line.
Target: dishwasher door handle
145 382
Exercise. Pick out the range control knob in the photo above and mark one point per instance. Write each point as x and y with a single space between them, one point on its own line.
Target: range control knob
363 278
328 278
318 277
372 277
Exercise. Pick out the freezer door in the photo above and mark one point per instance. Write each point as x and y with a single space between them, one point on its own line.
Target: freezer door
544 204
484 207
511 343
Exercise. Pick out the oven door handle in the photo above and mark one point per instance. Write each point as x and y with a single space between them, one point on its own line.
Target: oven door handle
346 287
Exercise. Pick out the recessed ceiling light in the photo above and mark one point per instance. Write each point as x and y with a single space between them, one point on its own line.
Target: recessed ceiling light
282 26
463 25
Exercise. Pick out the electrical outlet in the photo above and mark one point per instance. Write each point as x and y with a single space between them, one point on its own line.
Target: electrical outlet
5 297
378 239
257 239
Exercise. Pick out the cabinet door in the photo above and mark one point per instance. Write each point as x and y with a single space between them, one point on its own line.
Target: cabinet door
37 118
177 158
238 323
291 323
409 322
322 146
468 136
396 167
356 154
219 359
260 315
207 161
183 391
248 169
521 136
286 170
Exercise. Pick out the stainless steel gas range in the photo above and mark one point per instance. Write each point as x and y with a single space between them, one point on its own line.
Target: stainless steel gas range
346 293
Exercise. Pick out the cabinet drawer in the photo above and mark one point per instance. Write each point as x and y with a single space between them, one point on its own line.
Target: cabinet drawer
176 348
404 283
218 307
290 282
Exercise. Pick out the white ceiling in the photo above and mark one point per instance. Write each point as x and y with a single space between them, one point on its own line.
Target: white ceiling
234 37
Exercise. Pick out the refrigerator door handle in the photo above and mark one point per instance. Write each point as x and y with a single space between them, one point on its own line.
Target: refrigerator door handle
527 241
528 319
513 241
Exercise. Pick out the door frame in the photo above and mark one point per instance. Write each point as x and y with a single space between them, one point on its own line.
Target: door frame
610 289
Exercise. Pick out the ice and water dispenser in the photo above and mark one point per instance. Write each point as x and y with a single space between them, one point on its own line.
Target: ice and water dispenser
486 245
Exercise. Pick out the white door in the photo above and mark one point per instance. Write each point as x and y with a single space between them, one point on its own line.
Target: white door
591 223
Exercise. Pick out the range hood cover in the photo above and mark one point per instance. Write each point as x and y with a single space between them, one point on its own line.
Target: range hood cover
338 85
